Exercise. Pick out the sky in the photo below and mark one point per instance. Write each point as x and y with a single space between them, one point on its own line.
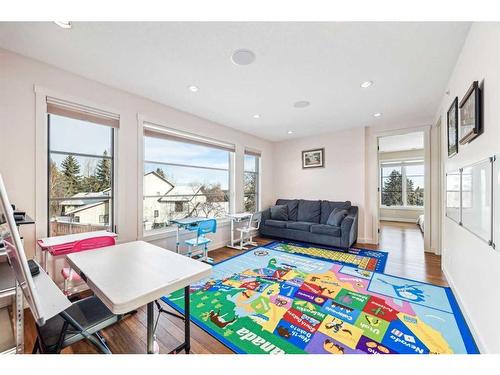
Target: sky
79 136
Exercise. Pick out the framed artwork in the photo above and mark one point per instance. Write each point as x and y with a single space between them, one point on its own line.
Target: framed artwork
470 114
313 158
452 125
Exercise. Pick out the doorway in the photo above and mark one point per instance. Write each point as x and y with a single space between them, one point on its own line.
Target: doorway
402 189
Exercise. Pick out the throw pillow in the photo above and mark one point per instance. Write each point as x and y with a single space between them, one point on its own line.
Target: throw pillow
279 212
336 217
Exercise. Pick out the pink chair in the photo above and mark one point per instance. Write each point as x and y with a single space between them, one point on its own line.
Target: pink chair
83 245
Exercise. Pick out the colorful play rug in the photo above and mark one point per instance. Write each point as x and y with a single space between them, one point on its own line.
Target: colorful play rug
268 301
370 260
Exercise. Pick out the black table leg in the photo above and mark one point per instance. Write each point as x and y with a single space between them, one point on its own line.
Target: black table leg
150 327
187 326
186 345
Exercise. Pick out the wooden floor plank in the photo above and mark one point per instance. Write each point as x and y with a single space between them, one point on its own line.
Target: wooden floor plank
403 242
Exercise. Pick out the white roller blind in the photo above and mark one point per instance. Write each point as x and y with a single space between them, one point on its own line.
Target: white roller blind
152 130
252 152
400 163
81 112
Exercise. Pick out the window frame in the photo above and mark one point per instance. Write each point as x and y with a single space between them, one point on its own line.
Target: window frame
402 164
112 158
144 122
257 173
42 94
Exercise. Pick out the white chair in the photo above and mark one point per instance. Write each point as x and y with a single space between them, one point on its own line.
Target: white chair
249 229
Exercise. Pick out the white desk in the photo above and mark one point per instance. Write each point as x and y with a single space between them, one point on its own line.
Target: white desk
237 218
127 276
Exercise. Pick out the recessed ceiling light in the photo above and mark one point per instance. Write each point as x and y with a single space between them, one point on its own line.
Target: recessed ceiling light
301 104
378 114
256 116
243 57
366 84
289 132
193 88
63 24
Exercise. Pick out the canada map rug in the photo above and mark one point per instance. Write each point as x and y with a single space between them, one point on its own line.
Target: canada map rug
370 260
268 301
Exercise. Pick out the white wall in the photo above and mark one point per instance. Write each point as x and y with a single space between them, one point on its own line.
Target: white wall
405 215
471 266
342 178
18 75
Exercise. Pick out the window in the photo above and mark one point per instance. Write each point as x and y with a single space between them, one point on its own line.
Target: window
402 184
80 171
392 190
251 181
183 178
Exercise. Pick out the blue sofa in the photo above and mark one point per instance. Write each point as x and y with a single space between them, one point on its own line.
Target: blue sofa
307 222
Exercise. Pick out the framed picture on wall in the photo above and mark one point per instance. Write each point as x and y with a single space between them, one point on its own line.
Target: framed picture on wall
470 114
452 124
313 158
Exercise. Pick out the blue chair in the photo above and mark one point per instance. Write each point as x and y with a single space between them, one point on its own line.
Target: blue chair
204 227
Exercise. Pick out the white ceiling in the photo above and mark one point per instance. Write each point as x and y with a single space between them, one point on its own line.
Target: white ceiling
323 63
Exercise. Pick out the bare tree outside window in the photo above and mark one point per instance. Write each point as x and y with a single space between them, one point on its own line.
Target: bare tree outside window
182 179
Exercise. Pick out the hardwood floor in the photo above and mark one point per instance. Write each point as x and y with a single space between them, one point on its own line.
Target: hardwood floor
403 241
405 244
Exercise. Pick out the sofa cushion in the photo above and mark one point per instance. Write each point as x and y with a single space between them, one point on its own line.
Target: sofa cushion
328 206
299 225
336 217
292 205
275 223
279 212
329 230
309 211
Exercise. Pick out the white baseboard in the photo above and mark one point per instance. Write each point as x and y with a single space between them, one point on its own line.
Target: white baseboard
403 220
480 344
368 241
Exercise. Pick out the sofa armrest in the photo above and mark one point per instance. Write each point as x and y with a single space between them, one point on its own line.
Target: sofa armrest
349 230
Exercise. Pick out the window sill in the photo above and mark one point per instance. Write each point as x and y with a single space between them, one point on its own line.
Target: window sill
409 208
169 232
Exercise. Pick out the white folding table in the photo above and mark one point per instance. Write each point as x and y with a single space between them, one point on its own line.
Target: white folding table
130 275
